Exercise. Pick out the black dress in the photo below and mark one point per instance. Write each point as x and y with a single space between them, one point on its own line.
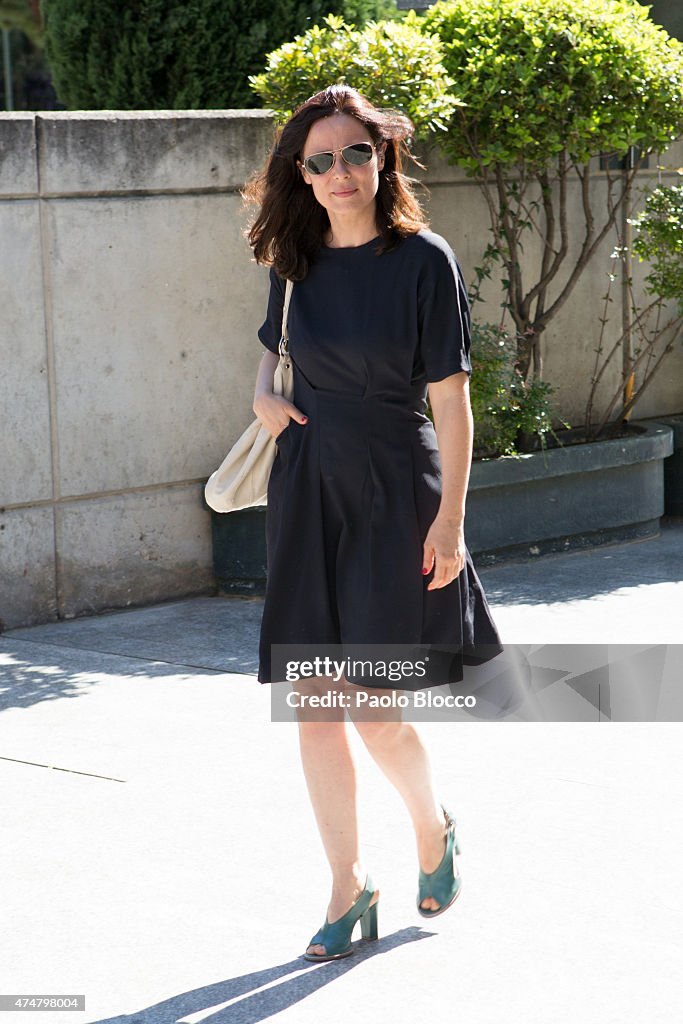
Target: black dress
354 491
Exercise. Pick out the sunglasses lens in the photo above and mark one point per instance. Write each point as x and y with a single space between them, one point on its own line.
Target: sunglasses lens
359 154
319 163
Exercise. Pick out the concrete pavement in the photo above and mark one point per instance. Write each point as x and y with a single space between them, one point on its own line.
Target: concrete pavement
160 856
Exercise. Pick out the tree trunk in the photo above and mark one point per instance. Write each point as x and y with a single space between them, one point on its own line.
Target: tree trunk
528 360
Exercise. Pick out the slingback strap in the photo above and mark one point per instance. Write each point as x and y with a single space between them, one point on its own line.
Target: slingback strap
450 826
450 820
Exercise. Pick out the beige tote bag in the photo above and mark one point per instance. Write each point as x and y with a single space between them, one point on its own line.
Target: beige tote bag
241 480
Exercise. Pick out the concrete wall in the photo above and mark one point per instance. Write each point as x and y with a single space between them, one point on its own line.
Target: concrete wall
127 334
128 316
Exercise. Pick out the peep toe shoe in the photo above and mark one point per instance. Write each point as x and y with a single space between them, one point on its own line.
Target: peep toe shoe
443 884
336 937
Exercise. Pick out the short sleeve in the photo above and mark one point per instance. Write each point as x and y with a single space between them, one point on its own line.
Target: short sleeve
445 323
271 329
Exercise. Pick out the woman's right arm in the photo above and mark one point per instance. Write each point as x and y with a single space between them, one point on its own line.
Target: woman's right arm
273 411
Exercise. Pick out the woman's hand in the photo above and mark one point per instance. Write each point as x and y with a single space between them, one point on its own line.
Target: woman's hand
444 551
275 412
444 546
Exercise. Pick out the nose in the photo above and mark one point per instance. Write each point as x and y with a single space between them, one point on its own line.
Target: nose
340 168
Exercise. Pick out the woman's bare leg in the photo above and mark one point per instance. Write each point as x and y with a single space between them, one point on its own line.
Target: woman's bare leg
330 774
397 748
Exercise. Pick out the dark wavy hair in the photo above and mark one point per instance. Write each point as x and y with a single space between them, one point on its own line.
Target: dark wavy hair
291 223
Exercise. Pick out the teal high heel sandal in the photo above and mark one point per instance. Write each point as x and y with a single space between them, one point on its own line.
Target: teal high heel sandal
444 884
336 937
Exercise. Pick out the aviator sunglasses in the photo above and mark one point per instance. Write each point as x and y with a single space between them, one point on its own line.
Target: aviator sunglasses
357 155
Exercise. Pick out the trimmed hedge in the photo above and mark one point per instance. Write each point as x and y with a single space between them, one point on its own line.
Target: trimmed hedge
168 54
394 64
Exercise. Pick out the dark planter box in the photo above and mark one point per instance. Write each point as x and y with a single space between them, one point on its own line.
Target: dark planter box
567 498
239 551
673 466
561 499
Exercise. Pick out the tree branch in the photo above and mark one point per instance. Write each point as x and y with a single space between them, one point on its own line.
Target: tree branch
590 243
513 267
549 270
677 322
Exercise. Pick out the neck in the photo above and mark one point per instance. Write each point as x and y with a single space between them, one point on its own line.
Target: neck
342 235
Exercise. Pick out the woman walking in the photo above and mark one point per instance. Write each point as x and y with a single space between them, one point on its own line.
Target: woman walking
366 499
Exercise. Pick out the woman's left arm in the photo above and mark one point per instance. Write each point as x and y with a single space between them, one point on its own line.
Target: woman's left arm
444 546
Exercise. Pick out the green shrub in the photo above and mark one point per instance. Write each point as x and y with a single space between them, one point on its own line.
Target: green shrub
393 63
659 240
509 414
543 76
168 54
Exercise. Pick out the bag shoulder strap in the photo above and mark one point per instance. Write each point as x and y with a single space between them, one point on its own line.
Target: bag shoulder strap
284 334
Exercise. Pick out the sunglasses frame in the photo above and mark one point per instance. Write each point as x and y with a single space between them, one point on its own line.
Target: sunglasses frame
333 153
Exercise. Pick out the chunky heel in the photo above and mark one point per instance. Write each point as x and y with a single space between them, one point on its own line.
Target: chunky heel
336 936
368 922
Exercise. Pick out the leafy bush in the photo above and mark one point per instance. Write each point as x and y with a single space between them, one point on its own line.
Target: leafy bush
543 76
394 64
509 414
659 239
152 54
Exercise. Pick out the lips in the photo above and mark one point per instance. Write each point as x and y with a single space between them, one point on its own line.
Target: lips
346 192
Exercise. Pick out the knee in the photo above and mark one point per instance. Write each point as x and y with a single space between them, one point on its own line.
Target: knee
318 705
381 734
321 730
322 743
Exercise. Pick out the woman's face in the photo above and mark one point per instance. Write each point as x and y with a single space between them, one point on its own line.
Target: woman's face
344 189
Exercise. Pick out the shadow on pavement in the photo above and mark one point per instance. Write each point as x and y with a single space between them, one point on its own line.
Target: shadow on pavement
31 673
261 994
